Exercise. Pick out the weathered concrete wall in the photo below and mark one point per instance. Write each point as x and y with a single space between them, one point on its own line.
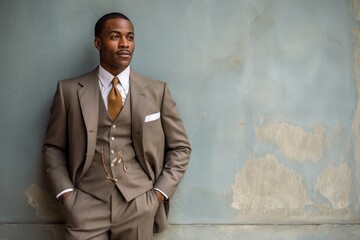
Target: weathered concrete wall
275 140
268 91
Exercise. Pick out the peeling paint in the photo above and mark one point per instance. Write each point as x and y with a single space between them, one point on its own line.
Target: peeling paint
45 206
356 4
294 142
262 119
263 186
234 62
334 183
338 129
356 119
242 125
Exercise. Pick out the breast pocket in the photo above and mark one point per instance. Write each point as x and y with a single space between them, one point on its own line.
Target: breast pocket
153 132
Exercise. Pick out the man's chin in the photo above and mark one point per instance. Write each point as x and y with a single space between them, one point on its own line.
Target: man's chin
123 64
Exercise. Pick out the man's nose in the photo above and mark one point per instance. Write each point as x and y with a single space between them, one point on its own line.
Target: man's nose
123 42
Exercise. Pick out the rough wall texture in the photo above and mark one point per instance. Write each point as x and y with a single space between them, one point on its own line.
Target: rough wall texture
356 120
294 142
334 183
306 173
263 186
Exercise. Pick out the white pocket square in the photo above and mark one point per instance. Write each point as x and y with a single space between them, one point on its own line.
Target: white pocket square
152 117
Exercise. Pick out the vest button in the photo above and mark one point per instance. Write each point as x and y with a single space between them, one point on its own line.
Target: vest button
112 138
116 180
114 126
112 152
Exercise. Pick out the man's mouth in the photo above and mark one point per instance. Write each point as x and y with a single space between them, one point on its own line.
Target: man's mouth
124 53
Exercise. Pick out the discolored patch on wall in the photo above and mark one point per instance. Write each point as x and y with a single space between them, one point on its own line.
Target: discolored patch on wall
294 142
264 187
334 183
356 4
45 206
356 119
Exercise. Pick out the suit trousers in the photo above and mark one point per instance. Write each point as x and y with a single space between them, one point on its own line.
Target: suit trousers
89 218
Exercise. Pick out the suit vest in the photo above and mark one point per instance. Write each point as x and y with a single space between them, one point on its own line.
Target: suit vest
115 159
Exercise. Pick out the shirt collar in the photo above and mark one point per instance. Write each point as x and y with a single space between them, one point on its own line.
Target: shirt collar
106 77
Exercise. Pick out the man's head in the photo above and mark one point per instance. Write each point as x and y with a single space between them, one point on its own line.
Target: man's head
115 40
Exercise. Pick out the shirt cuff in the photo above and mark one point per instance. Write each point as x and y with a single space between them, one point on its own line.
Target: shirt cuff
65 191
166 196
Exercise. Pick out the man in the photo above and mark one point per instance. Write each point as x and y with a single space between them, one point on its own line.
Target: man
115 148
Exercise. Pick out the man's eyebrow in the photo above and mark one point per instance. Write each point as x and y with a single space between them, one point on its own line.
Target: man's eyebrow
118 32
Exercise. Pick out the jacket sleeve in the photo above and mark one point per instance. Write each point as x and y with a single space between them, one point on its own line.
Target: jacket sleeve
55 148
177 147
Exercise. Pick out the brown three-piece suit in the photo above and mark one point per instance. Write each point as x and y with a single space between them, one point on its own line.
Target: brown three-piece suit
147 140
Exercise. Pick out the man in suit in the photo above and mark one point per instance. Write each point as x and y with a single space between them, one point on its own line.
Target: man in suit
115 148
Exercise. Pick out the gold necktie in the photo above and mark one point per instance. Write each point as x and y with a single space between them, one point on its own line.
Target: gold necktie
114 100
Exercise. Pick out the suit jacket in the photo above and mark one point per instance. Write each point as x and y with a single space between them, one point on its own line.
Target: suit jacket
161 146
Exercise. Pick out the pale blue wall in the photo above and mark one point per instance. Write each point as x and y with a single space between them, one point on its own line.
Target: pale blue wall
235 68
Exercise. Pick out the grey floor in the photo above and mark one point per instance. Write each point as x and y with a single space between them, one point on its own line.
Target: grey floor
205 232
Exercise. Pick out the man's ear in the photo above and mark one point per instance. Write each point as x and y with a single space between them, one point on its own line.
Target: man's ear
97 43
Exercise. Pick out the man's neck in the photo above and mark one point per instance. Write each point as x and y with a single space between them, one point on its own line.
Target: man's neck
114 72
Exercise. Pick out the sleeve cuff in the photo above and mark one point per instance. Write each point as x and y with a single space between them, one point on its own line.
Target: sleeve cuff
62 192
166 196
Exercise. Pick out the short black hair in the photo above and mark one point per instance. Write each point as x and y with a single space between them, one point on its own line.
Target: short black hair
100 24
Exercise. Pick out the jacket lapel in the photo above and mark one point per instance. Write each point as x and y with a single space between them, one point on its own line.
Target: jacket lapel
138 112
138 100
89 103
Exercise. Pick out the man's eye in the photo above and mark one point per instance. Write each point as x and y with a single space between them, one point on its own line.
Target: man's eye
131 38
114 37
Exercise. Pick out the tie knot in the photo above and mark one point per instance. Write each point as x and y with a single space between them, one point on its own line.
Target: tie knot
115 81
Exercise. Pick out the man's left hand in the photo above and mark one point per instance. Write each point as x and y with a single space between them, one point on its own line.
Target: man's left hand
159 196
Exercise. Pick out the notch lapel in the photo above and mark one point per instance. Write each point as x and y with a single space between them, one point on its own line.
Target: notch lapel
138 113
88 96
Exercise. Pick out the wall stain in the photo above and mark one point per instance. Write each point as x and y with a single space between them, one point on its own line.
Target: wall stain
334 183
356 119
294 142
45 205
356 4
263 186
235 62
